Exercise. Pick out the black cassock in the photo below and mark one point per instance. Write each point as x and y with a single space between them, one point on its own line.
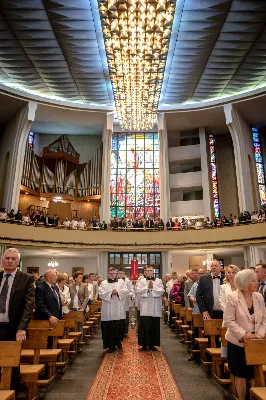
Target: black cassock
149 331
112 333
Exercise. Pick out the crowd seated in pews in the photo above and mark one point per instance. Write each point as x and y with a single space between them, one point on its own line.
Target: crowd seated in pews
38 218
223 322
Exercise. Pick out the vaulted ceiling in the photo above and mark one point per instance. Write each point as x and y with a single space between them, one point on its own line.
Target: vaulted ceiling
55 49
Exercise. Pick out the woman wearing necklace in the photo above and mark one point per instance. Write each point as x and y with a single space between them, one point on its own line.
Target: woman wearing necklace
245 314
225 289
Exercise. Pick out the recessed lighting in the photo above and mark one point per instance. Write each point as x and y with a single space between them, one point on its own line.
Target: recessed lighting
58 198
26 193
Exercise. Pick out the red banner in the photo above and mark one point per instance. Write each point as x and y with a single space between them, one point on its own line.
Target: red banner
134 270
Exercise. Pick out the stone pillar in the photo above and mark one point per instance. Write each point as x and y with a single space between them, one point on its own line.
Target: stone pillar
165 211
13 146
247 181
106 169
206 187
165 263
103 264
253 255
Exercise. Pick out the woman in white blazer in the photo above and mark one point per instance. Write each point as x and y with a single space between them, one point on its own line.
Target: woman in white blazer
64 292
245 314
227 288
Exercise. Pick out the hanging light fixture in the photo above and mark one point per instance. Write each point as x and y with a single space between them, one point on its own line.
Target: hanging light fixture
136 36
53 263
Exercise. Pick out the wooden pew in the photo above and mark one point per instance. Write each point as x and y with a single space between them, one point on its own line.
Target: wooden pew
212 328
57 333
187 326
201 341
47 356
9 357
180 321
37 340
71 331
255 352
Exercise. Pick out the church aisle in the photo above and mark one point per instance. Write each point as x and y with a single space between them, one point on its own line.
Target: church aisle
78 378
193 381
134 375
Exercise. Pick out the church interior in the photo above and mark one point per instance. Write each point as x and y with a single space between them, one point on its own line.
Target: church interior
133 135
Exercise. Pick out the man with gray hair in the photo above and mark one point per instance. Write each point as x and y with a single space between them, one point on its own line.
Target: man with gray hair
16 303
48 300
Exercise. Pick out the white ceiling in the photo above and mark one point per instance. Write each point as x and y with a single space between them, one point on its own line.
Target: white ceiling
55 49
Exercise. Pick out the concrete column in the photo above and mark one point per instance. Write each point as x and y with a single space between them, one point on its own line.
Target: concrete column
165 262
253 255
103 264
13 145
106 169
165 211
247 181
205 162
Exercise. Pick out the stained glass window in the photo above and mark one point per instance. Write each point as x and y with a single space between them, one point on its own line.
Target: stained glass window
259 165
134 191
215 192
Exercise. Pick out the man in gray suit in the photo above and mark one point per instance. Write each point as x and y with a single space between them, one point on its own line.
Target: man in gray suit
79 297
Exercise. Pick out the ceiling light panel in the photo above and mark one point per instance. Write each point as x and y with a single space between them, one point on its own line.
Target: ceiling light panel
136 37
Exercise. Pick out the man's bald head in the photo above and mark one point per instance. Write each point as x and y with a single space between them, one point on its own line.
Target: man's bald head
50 276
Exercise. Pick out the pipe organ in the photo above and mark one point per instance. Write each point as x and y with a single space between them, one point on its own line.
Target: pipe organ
58 171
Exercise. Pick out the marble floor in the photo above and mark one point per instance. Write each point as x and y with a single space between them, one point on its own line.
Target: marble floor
191 378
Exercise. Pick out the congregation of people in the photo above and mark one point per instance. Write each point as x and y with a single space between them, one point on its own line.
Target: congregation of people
38 218
238 297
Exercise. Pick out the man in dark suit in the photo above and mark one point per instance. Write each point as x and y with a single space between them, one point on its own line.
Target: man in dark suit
16 303
48 301
149 223
208 292
261 274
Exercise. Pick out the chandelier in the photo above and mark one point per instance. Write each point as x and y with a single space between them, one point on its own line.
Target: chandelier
136 36
53 263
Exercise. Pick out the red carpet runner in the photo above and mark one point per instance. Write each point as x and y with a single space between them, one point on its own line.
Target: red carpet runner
130 374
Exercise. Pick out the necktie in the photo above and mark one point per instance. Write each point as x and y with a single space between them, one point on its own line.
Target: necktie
3 295
215 277
261 287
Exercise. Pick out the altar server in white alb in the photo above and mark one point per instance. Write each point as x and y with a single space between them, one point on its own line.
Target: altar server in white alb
150 291
130 295
113 292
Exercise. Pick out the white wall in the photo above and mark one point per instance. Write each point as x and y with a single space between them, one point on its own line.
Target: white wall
235 260
85 145
192 207
186 180
65 264
184 153
180 263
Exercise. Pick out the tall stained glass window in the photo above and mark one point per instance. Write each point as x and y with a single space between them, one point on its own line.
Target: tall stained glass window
259 165
215 192
134 191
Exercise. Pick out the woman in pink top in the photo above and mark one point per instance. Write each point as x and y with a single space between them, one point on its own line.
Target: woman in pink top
175 291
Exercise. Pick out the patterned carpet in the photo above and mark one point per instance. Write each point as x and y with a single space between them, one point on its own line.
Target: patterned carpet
134 375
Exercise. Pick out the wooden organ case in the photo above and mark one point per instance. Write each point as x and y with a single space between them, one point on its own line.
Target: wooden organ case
58 172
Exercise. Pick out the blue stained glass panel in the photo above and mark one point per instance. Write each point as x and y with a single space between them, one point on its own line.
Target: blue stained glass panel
259 165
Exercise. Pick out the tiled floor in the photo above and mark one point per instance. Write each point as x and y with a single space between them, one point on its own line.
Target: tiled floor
191 378
75 383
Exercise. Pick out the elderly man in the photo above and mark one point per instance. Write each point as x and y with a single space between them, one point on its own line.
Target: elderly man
192 278
48 301
261 274
16 303
208 292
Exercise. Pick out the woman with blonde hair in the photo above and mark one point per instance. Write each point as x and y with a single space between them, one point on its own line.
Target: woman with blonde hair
245 314
225 289
64 292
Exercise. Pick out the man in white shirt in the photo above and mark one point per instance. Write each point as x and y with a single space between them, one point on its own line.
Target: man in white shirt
93 287
113 292
66 223
122 275
74 223
150 291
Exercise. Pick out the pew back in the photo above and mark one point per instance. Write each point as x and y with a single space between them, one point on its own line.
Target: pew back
9 357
